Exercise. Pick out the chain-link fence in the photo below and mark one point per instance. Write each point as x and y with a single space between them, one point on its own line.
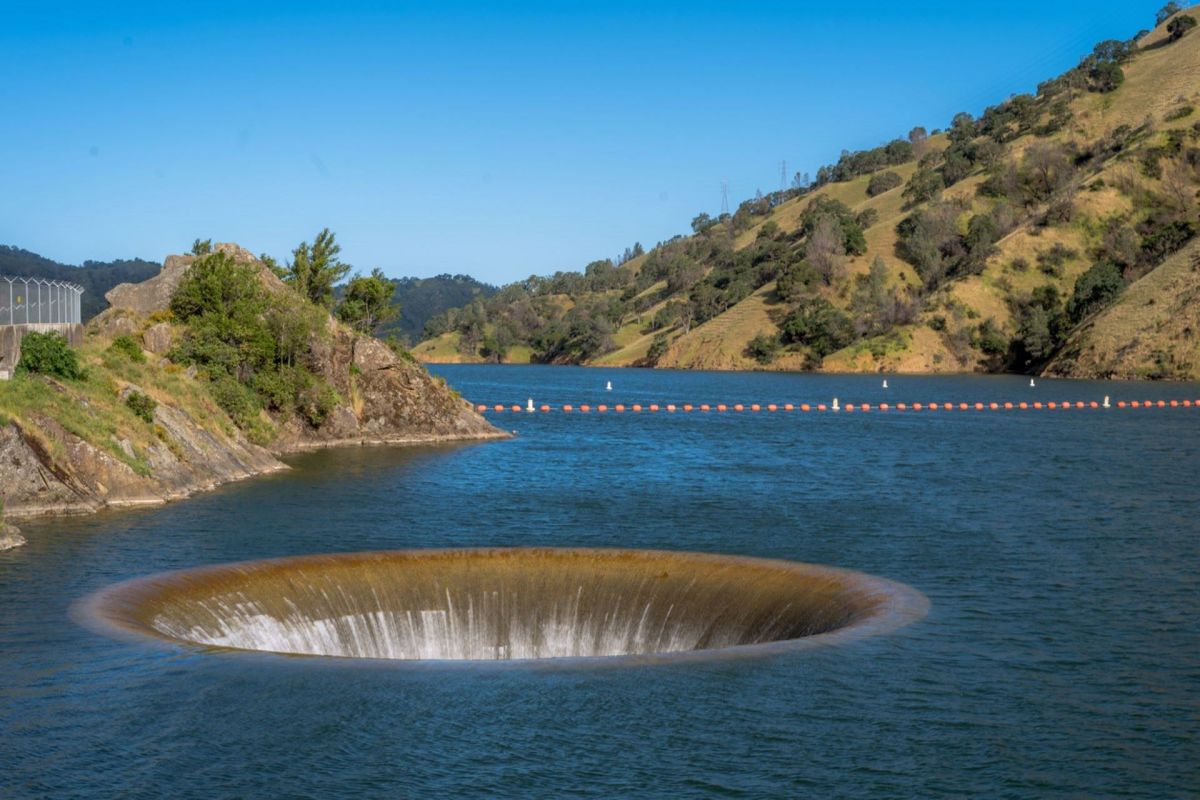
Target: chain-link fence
39 302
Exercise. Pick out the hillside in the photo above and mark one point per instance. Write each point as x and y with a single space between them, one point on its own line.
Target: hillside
96 277
991 246
204 374
421 299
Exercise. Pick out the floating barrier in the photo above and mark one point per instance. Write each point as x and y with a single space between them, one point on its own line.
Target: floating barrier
836 405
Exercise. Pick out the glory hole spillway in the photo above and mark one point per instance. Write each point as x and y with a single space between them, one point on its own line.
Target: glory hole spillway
507 604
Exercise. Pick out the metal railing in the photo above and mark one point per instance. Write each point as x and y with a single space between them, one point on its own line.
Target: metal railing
37 301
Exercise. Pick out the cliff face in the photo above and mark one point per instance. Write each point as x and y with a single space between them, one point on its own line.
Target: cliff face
68 448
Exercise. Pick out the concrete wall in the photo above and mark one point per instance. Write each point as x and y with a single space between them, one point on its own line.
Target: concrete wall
11 336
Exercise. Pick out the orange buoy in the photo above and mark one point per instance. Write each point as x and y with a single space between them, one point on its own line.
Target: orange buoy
739 407
1120 404
618 408
1187 403
1094 404
516 407
637 407
545 408
1052 404
948 406
755 407
1174 404
993 406
788 407
722 407
498 407
865 406
772 407
705 407
902 406
883 406
654 407
1022 405
567 408
1134 404
805 407
1037 404
671 407
481 408
1162 404
687 407
848 407
820 406
602 408
584 409
917 406
1008 406
1080 404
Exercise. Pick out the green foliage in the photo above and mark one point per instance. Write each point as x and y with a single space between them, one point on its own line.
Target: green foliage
1042 324
658 348
926 184
990 339
48 354
876 305
763 348
127 347
252 345
1179 112
1051 261
883 182
863 162
315 269
1180 26
366 303
202 247
142 405
818 325
1094 290
1106 76
1166 12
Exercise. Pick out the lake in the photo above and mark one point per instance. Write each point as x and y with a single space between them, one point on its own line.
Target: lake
1059 550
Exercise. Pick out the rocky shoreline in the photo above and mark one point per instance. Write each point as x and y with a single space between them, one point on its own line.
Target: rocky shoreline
52 463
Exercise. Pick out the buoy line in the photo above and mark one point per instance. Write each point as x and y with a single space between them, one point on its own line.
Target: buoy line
834 406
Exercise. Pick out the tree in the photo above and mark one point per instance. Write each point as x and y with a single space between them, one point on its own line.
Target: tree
825 249
222 303
1166 12
1179 26
201 247
1094 289
883 182
1106 76
367 302
924 185
314 270
817 324
702 222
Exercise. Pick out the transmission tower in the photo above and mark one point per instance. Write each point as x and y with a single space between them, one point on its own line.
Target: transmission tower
783 181
724 197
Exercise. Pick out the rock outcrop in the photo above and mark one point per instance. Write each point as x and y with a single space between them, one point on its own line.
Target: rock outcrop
10 537
385 398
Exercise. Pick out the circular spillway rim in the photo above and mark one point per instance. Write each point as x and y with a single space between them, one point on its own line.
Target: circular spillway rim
896 606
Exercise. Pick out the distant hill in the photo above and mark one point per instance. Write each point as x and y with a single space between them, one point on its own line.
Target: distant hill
421 299
96 277
998 244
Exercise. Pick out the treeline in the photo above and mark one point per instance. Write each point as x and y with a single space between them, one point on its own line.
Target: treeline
96 277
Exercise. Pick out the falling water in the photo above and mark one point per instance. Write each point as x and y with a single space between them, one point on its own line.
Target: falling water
505 604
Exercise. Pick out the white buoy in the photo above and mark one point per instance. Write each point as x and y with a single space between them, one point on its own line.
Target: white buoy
885 383
529 406
608 386
836 407
1031 383
1106 403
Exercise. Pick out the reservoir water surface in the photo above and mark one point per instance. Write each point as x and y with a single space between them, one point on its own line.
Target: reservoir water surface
1059 552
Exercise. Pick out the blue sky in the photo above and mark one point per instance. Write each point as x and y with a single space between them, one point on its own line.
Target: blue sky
496 139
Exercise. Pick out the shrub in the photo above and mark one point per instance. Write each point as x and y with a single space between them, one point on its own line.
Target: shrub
1179 113
48 354
883 182
126 346
142 405
1179 26
762 348
817 324
1094 290
1051 261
